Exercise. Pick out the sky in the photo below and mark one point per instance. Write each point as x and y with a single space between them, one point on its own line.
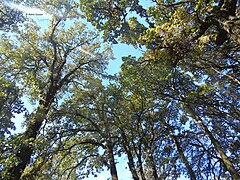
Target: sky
119 50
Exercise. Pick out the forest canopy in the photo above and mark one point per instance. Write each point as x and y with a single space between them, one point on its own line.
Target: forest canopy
173 112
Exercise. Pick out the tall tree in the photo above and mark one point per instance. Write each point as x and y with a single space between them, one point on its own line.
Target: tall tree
174 111
46 64
199 42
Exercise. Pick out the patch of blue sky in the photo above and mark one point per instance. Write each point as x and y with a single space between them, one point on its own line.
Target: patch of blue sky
122 170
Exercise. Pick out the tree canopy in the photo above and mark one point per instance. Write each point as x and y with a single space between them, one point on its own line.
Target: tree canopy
173 112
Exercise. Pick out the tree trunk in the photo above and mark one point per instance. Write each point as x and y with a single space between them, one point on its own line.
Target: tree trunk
153 166
25 149
181 154
140 163
28 137
227 163
130 157
113 169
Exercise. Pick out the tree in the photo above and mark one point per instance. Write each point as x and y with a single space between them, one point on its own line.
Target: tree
173 111
89 116
172 90
47 64
195 41
10 105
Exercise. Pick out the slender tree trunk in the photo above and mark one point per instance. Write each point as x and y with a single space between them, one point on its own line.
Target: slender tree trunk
153 166
140 164
184 159
181 153
113 168
130 157
227 163
138 149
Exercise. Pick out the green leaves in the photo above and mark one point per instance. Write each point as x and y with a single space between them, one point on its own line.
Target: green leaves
173 111
112 17
47 65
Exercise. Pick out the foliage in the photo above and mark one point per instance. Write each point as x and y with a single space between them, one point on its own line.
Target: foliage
174 111
45 64
189 64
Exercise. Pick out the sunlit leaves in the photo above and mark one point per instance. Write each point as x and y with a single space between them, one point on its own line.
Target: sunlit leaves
47 65
173 111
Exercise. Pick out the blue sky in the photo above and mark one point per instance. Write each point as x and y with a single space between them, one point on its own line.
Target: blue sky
119 51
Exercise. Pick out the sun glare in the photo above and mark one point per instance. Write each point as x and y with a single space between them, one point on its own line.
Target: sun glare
27 10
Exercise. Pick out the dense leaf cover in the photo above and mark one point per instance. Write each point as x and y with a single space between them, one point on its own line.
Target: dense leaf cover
173 112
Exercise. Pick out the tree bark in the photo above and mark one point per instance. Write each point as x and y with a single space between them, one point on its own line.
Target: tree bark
140 163
130 157
181 153
224 18
153 166
25 150
113 169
